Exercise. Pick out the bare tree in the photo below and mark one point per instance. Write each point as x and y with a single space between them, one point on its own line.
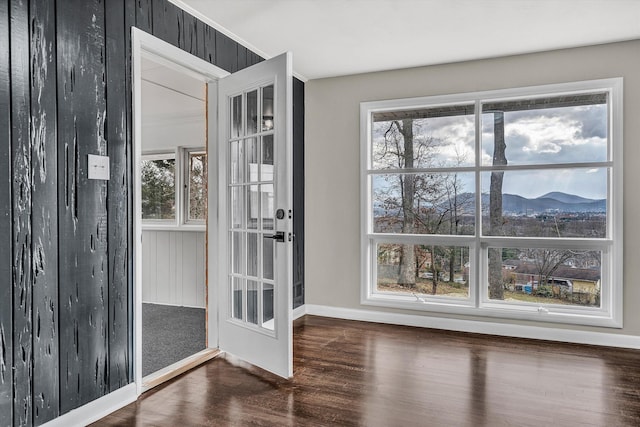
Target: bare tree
415 202
407 184
496 289
547 261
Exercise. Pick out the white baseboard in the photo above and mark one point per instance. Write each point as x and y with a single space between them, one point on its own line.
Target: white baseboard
490 328
97 409
299 312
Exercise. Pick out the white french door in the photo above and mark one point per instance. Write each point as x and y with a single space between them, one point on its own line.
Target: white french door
254 215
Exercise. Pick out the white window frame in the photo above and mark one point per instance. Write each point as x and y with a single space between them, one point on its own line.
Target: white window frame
609 314
181 221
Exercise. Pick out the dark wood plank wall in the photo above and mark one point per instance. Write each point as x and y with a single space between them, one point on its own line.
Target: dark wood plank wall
21 210
84 291
44 210
6 257
117 134
66 331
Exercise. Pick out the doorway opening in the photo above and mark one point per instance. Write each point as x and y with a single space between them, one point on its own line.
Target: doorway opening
174 310
174 206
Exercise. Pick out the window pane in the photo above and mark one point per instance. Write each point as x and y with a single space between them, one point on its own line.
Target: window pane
438 203
564 129
158 189
237 254
266 171
236 116
267 108
252 254
423 269
267 257
267 308
197 186
251 155
253 209
237 206
424 138
236 304
545 203
236 168
252 302
266 202
252 112
545 276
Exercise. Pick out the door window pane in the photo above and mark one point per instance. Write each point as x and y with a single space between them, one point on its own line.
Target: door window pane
252 112
237 206
253 208
237 252
252 254
236 159
267 108
236 116
267 258
158 189
251 155
266 200
236 297
266 171
267 306
252 302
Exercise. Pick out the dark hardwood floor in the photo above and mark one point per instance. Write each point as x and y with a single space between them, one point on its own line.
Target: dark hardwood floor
350 373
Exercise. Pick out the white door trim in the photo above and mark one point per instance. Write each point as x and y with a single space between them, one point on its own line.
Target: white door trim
144 44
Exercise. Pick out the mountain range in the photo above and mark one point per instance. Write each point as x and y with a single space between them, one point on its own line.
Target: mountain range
551 202
513 204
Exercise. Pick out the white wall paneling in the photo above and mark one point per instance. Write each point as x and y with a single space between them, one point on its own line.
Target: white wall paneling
173 271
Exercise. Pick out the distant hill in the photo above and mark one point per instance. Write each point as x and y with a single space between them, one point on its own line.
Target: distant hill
565 198
513 204
551 202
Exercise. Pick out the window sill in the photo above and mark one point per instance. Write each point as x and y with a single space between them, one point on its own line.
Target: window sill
173 227
496 310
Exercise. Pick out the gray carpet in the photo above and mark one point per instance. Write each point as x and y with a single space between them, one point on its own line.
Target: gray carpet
170 334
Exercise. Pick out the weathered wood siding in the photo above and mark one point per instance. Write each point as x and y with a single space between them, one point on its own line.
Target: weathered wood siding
66 328
6 240
44 211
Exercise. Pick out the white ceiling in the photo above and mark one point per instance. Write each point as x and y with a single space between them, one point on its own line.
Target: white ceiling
170 96
339 37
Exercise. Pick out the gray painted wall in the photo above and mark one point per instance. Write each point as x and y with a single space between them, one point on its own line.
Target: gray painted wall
332 158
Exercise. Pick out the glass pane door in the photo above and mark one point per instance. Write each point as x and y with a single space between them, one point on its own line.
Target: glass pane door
250 191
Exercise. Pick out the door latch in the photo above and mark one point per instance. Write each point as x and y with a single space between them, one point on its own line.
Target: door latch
278 237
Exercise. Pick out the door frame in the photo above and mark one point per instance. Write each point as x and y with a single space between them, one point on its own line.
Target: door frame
146 45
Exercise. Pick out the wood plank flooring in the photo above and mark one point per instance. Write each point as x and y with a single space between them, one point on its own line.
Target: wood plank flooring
349 373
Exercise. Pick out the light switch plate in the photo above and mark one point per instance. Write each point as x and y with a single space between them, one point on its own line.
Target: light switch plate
98 167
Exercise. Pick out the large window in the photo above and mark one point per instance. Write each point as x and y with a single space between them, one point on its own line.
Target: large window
174 188
503 203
